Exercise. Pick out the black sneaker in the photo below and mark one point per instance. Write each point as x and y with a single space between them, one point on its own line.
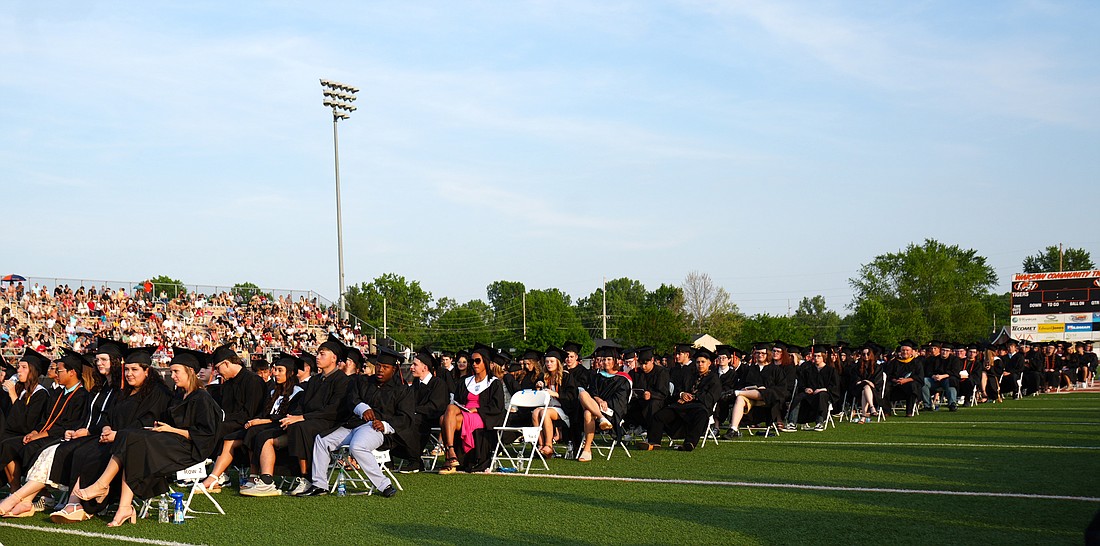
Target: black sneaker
313 491
732 434
953 407
686 446
388 492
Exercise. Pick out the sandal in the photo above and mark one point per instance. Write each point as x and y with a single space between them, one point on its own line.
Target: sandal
585 457
450 466
71 513
17 513
546 451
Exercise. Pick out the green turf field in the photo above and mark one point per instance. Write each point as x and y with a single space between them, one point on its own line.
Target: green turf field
1047 446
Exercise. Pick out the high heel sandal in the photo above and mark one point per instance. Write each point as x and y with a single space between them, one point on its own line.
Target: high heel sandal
450 465
73 512
132 518
24 514
83 494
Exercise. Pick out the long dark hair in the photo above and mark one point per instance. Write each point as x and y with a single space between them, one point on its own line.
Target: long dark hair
281 389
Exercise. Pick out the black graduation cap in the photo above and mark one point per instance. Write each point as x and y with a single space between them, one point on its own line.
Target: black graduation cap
703 352
355 355
37 360
504 360
531 354
139 355
683 348
110 347
389 356
426 358
73 360
723 350
630 353
196 360
337 347
572 347
462 354
485 351
288 361
223 352
645 353
777 344
606 352
762 346
305 357
822 348
554 352
875 347
447 353
908 343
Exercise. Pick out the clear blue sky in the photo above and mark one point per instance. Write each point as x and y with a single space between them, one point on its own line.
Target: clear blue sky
777 146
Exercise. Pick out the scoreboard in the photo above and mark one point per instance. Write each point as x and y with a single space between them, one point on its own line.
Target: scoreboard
1056 306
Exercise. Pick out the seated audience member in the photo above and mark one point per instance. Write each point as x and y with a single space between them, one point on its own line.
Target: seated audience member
603 402
479 403
904 376
816 383
944 376
373 409
690 408
279 399
563 393
431 398
144 458
650 389
751 386
315 411
241 395
40 422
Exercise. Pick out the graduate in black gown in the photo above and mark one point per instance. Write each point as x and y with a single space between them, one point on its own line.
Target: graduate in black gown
28 410
242 391
603 402
146 457
690 406
284 374
905 376
479 404
66 413
431 396
142 401
314 412
650 389
817 381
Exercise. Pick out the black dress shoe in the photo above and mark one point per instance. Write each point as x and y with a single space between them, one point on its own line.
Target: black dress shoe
313 491
686 446
388 492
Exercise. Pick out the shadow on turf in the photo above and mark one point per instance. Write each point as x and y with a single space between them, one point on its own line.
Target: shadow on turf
441 534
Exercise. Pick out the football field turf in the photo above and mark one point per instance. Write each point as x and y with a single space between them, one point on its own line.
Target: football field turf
1023 472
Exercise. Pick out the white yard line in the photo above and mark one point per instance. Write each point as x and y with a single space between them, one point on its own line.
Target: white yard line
810 487
77 532
917 444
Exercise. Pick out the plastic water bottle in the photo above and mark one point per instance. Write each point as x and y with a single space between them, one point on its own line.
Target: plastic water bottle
178 515
162 510
341 490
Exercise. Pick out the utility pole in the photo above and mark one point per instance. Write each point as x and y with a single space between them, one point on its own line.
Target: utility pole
1060 255
384 328
604 314
525 316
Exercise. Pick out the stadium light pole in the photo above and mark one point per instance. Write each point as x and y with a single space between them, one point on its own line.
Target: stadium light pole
338 97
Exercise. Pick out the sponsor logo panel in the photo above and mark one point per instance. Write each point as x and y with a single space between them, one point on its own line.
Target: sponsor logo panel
1052 328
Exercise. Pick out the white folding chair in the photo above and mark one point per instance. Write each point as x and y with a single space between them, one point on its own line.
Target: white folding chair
521 456
345 469
711 427
191 477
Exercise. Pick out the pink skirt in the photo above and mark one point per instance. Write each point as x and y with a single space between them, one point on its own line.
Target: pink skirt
471 422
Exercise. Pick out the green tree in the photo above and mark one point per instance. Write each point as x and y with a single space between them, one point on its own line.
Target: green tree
173 288
654 326
871 322
1048 260
407 306
551 320
460 328
815 321
246 290
765 327
930 291
624 299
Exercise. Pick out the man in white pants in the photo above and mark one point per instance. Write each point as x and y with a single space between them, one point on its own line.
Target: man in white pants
380 405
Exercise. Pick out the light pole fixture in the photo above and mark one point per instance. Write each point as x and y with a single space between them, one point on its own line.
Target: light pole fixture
339 97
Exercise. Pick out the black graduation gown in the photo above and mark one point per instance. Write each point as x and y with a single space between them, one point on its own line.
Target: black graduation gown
391 402
491 406
86 457
27 414
67 412
320 405
431 401
242 399
614 390
908 391
814 378
873 374
449 378
656 383
688 419
148 458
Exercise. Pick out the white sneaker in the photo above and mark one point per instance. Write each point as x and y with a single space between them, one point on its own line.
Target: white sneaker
261 489
298 486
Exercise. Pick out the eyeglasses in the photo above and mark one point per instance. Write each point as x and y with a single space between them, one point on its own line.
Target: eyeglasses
478 361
